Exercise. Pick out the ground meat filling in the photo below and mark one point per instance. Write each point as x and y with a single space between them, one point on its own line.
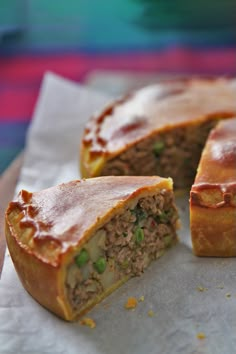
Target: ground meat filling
123 247
173 154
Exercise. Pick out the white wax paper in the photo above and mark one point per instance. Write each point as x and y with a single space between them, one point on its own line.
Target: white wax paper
187 295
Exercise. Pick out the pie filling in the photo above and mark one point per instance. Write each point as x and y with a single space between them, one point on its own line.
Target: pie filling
122 248
175 153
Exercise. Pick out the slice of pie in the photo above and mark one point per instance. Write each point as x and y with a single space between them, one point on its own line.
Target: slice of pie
159 130
213 195
74 244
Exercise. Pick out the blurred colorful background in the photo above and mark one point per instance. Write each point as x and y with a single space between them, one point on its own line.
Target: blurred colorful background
76 37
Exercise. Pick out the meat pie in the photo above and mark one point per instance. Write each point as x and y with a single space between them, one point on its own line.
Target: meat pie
213 195
158 130
75 243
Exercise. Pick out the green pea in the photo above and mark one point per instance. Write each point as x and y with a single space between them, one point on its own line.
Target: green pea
158 147
164 217
125 264
167 240
139 235
82 258
187 161
100 265
139 213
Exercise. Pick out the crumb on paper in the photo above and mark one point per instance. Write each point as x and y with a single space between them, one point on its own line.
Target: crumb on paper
201 335
106 306
202 288
150 313
87 321
131 303
228 295
141 298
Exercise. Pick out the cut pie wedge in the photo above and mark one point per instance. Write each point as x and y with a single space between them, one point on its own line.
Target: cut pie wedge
213 195
75 243
158 130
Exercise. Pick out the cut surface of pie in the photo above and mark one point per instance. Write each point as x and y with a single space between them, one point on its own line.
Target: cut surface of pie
213 195
75 243
158 130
